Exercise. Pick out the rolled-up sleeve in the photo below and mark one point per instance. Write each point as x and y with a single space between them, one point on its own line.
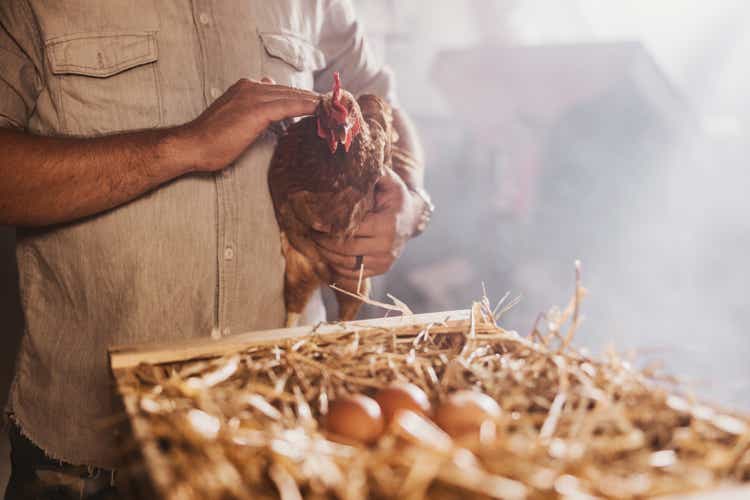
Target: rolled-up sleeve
342 40
20 56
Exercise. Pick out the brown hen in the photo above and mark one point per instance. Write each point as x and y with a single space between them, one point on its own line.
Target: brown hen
323 174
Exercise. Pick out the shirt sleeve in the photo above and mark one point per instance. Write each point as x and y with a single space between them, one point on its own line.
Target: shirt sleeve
20 56
343 42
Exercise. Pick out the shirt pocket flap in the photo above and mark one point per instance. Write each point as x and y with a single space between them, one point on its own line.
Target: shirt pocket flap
295 51
101 54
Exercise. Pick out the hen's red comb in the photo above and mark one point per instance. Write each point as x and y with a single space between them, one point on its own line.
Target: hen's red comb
336 87
340 112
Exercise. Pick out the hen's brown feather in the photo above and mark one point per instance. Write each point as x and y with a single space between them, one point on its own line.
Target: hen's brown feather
309 185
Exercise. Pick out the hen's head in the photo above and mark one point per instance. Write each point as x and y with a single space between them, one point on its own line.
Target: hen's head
338 117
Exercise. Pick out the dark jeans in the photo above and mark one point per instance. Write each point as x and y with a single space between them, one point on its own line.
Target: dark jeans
36 476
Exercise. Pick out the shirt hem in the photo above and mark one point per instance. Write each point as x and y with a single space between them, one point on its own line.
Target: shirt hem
14 414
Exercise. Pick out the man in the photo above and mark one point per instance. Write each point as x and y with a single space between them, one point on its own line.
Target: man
134 164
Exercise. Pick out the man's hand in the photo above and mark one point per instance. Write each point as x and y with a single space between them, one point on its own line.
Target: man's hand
381 236
232 122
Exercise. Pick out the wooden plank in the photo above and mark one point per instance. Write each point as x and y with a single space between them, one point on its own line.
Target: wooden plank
126 356
159 470
724 493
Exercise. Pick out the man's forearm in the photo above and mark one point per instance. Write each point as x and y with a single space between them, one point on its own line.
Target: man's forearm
48 180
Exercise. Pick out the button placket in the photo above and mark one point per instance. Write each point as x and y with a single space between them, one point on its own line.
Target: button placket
225 183
227 264
225 202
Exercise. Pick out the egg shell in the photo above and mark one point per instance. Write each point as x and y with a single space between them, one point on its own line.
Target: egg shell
464 412
402 396
355 417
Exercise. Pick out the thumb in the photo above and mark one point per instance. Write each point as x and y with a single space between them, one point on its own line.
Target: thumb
389 180
390 188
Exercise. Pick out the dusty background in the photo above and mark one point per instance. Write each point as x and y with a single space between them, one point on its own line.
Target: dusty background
10 330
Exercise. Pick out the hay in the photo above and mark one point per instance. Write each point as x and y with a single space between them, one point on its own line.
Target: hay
246 425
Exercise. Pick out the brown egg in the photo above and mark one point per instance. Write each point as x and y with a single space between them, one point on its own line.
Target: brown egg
402 396
464 412
355 417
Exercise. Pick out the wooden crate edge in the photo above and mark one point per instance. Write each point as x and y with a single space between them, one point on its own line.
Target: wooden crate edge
128 356
157 467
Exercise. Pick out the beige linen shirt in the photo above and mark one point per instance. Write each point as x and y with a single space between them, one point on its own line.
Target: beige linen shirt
201 253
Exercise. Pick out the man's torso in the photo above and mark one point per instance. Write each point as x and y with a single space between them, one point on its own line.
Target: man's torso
200 254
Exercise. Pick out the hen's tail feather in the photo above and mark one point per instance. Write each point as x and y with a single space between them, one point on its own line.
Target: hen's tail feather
300 281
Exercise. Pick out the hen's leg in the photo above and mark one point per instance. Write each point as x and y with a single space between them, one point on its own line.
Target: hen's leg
348 305
300 281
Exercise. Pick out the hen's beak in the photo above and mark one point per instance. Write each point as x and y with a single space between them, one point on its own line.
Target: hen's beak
343 135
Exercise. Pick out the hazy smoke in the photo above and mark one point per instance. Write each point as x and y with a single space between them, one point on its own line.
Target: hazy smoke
645 181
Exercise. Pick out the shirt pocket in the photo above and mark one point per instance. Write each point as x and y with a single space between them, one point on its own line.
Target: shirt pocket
105 82
290 59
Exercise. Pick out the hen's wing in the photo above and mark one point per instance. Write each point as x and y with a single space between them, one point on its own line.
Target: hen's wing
376 110
291 159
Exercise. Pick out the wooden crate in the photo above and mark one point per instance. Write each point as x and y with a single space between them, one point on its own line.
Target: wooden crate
125 357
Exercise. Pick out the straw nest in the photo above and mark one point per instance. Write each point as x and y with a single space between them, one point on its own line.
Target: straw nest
247 424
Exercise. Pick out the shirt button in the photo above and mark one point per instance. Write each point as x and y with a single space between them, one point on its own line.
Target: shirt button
203 18
228 253
227 331
215 93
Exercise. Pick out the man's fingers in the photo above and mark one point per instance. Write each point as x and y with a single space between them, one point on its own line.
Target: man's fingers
389 181
337 259
373 225
390 189
370 225
264 97
286 108
373 265
267 89
347 266
345 274
368 272
271 88
291 91
350 261
321 228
